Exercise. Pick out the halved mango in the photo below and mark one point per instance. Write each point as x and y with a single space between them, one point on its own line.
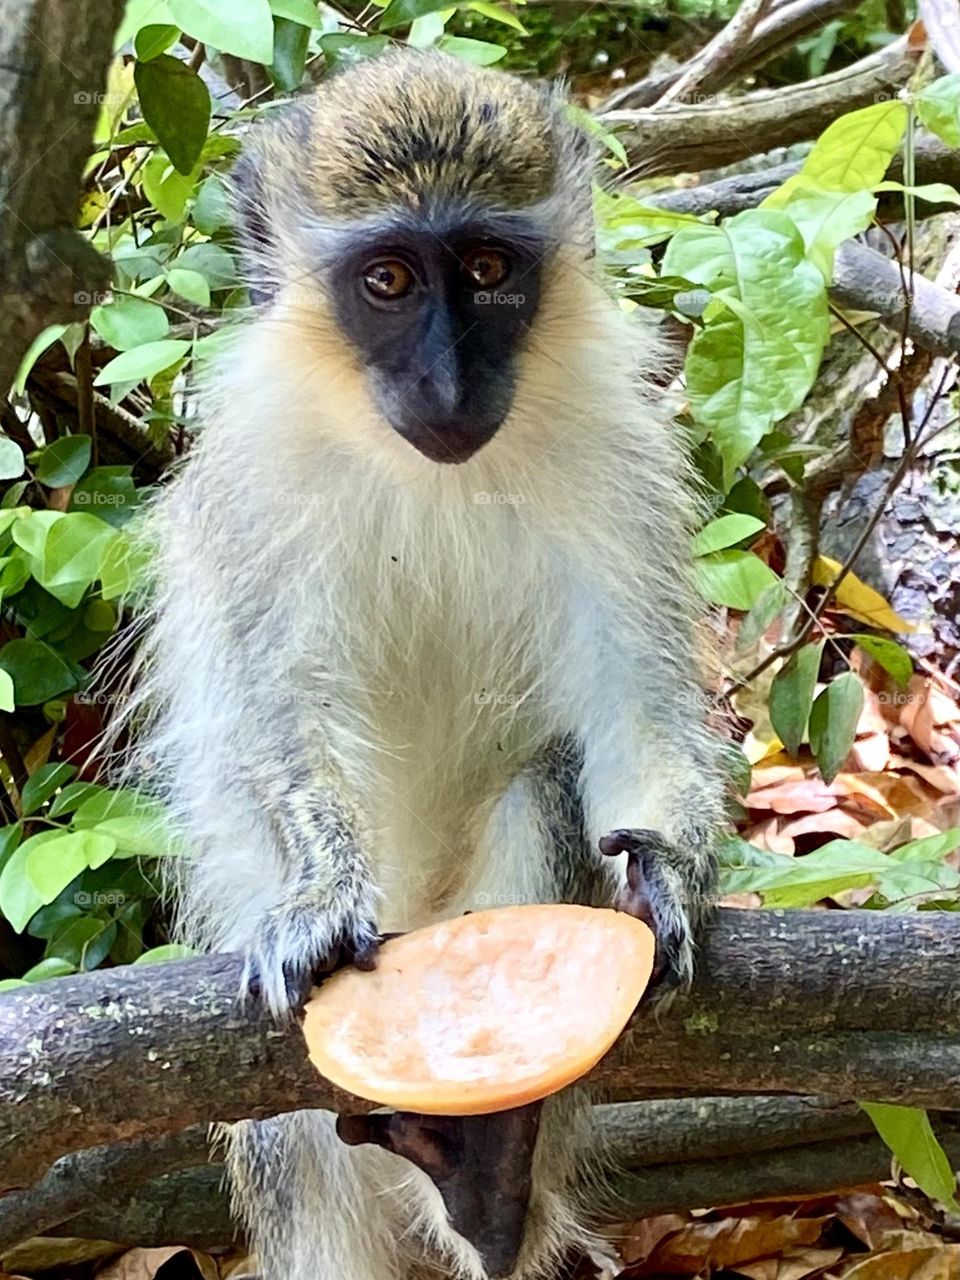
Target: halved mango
484 1012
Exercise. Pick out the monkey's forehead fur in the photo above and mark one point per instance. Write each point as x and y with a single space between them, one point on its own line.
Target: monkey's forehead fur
417 129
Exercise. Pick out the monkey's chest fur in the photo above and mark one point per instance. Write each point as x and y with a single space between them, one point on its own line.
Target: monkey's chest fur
448 697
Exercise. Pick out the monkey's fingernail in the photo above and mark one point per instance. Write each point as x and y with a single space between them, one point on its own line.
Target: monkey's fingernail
366 957
616 842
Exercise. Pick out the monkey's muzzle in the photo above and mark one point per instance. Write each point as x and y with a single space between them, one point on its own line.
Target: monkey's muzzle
481 1166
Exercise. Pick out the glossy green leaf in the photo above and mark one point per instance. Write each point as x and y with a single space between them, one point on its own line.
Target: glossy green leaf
12 463
37 671
84 942
303 11
130 322
41 785
290 44
791 695
399 13
44 339
151 41
480 52
854 152
73 795
908 1134
626 223
826 219
736 579
725 531
51 866
769 604
7 698
759 351
52 967
833 723
216 264
190 285
241 27
170 951
143 362
342 50
64 461
938 107
19 899
72 555
167 189
892 656
497 13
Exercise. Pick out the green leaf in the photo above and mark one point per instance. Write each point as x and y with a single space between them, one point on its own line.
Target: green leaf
791 695
497 13
211 209
190 285
37 671
725 531
73 795
64 461
72 555
938 107
52 865
290 43
110 492
123 568
166 189
42 784
400 12
217 266
241 27
44 339
833 723
155 39
176 105
84 942
771 602
137 15
892 656
932 192
170 951
736 579
303 11
130 322
855 151
19 899
143 362
929 848
625 223
122 803
7 699
137 836
480 52
826 219
759 351
343 51
12 464
908 1134
49 968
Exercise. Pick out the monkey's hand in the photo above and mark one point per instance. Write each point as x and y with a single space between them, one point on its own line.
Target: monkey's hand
296 947
662 887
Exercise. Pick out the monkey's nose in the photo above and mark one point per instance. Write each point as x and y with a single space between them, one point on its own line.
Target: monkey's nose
480 1165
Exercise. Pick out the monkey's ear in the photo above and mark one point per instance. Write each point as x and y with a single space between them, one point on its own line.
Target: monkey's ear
252 226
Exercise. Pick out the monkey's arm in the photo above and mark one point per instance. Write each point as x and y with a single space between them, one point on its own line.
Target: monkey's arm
324 908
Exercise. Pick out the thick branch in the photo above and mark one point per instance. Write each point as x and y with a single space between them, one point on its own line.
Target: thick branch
851 1004
675 1154
53 62
681 138
774 33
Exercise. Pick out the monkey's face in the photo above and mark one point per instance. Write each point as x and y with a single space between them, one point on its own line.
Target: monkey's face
438 321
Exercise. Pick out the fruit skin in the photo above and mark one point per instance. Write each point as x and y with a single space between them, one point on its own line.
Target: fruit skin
524 1000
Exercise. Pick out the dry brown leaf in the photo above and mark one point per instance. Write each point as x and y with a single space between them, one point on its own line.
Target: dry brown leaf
872 752
795 1264
729 1242
143 1264
937 1262
641 1238
870 1217
812 795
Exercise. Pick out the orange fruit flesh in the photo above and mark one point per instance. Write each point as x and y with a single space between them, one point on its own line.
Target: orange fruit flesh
485 1012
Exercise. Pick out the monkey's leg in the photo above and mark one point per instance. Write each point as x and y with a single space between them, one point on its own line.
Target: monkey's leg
313 1208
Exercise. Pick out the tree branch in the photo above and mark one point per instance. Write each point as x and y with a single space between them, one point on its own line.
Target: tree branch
680 138
54 58
851 1004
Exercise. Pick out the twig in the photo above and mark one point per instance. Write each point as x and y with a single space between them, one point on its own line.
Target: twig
719 54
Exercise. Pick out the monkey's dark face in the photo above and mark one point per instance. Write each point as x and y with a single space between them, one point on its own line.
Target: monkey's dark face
438 323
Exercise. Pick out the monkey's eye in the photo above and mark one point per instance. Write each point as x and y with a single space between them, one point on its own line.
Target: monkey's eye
486 268
389 278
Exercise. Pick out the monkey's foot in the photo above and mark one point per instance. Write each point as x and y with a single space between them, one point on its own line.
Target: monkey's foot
481 1165
656 892
296 951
